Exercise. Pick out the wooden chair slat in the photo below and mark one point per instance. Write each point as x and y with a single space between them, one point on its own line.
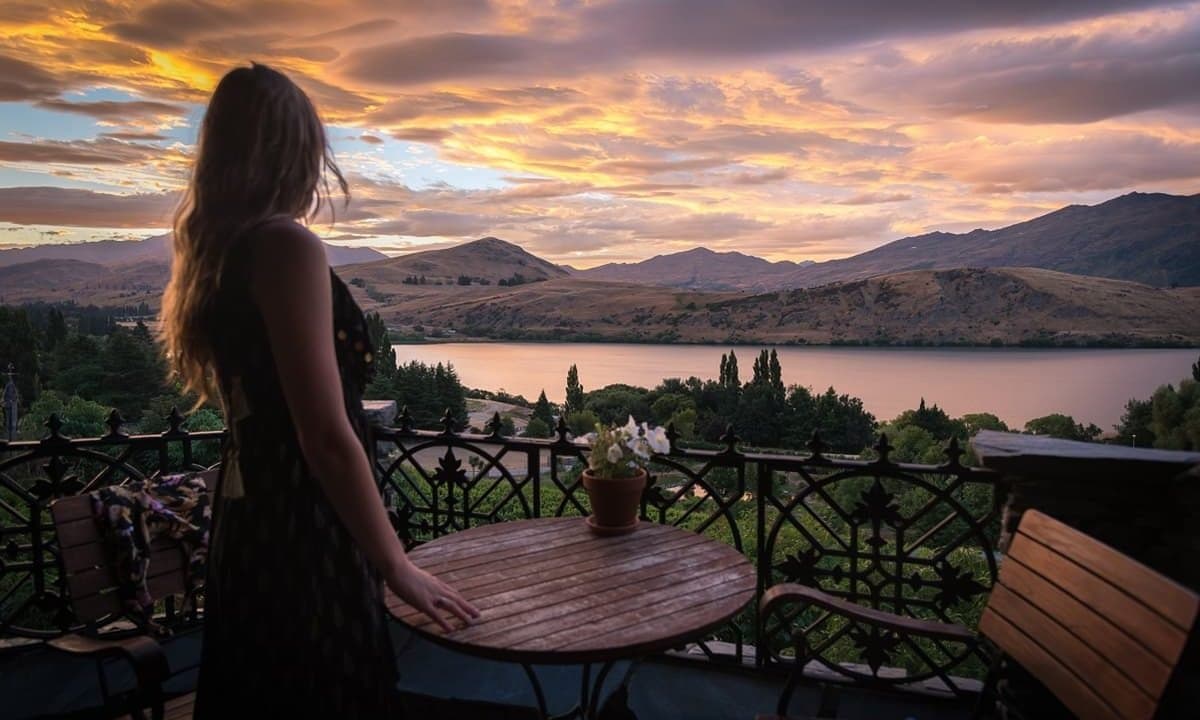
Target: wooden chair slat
1161 637
1089 671
77 532
91 582
1166 597
95 607
180 708
1047 668
1126 653
162 586
75 507
84 557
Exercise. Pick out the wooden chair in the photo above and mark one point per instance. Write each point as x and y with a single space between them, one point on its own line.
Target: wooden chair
1100 630
92 585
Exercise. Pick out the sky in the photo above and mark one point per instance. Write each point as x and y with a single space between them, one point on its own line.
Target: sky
591 131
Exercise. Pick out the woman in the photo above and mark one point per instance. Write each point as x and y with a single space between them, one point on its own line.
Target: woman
294 621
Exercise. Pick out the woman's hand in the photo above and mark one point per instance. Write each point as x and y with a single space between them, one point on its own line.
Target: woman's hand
429 595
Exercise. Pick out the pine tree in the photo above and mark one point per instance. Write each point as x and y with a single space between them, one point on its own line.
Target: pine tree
776 373
385 354
575 396
543 411
56 329
731 369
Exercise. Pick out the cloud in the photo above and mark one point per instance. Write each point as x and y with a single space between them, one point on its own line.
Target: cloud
134 136
85 208
1097 161
615 127
20 80
101 151
875 198
1078 77
418 134
445 57
705 227
435 223
124 112
705 29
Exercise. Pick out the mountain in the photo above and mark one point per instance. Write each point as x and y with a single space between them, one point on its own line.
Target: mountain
55 280
1002 306
488 259
103 252
697 269
156 248
1149 238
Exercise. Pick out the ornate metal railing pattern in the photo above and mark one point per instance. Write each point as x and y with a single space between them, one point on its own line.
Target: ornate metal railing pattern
916 540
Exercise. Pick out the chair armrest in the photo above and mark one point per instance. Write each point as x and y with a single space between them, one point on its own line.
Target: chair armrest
790 592
143 652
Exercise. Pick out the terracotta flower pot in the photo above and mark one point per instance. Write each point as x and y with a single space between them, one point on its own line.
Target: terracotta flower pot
615 502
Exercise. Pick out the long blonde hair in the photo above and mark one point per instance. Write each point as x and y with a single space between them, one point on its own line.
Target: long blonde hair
262 152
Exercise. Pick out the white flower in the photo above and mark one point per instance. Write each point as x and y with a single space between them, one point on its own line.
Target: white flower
590 439
658 440
640 447
631 428
614 453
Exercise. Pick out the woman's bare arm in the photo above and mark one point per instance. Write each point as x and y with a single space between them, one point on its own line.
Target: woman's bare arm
291 288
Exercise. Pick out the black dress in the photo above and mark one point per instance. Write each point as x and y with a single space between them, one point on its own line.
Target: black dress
294 621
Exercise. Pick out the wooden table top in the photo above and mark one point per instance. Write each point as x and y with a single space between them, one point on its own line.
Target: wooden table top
550 591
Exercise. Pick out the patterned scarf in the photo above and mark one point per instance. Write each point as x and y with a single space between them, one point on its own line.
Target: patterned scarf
132 516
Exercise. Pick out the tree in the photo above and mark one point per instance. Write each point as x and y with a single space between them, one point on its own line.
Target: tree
582 422
974 422
1135 427
1175 416
575 396
56 329
76 367
543 411
18 345
728 377
1062 426
134 372
428 391
845 423
385 354
80 418
537 428
933 420
615 403
1196 371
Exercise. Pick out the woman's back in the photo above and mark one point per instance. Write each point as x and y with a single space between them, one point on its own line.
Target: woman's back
287 582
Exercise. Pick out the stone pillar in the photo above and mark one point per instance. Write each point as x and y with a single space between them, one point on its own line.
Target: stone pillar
381 413
1145 503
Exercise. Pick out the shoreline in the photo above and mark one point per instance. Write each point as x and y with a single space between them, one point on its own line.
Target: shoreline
866 345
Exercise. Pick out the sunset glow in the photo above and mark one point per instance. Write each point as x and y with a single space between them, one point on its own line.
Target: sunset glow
597 130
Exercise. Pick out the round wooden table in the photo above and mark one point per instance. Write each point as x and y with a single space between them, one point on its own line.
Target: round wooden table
552 592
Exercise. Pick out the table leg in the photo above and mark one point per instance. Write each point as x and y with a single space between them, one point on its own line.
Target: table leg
589 706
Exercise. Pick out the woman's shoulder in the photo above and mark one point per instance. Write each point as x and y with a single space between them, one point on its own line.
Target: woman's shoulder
284 252
283 240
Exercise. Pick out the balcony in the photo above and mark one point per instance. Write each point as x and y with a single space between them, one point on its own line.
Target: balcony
923 541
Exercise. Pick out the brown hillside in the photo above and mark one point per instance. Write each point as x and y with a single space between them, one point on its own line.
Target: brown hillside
488 259
1006 306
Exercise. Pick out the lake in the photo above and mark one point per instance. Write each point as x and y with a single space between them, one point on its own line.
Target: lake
1015 384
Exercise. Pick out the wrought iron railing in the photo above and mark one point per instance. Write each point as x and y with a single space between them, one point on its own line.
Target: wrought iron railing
918 540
